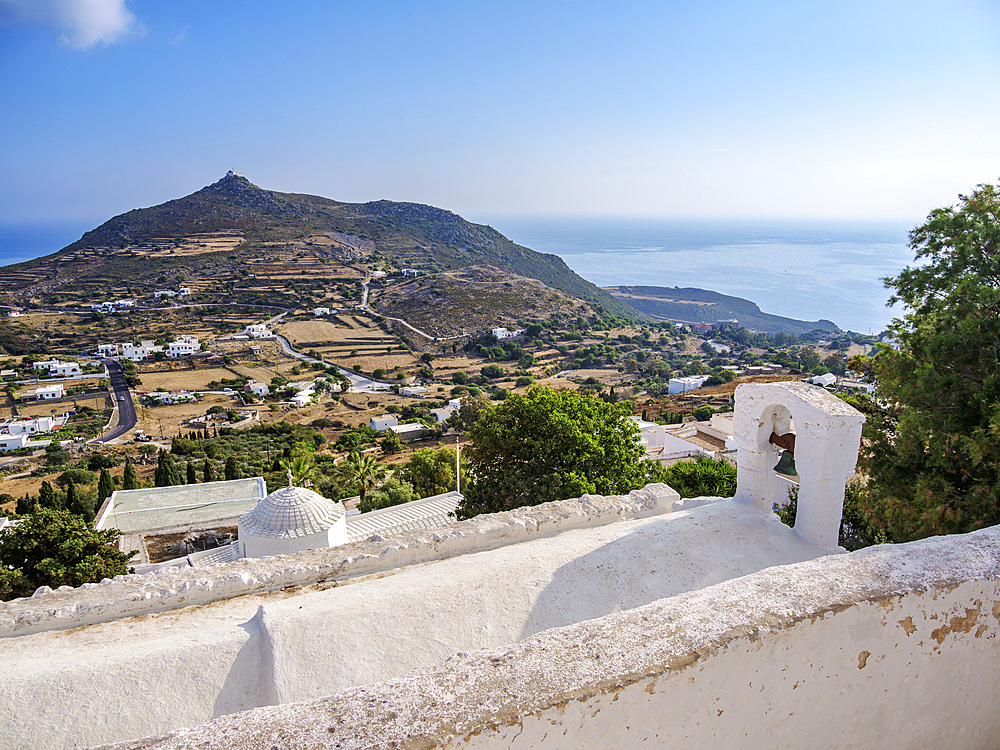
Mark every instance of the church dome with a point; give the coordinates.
(291, 512)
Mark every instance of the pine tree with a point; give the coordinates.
(192, 477)
(105, 486)
(130, 480)
(207, 472)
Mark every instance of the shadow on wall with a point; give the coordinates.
(663, 557)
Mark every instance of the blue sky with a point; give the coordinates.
(767, 109)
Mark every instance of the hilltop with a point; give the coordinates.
(233, 234)
(702, 306)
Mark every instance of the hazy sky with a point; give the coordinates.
(805, 109)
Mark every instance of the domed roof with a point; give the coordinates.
(291, 512)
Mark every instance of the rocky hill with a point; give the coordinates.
(221, 231)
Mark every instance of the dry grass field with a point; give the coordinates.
(358, 341)
(182, 380)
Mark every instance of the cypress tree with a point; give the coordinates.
(192, 478)
(232, 469)
(167, 474)
(105, 486)
(47, 497)
(207, 472)
(130, 480)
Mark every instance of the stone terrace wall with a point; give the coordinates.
(892, 646)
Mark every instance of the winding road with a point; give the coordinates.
(123, 401)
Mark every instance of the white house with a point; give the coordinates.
(31, 426)
(857, 385)
(823, 380)
(107, 350)
(183, 346)
(415, 391)
(690, 383)
(257, 331)
(166, 398)
(441, 415)
(378, 274)
(60, 369)
(384, 422)
(50, 392)
(410, 431)
(455, 403)
(14, 314)
(164, 293)
(321, 311)
(184, 291)
(410, 273)
(257, 389)
(12, 442)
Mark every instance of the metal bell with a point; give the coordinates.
(786, 464)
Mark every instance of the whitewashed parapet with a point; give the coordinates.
(129, 596)
(891, 645)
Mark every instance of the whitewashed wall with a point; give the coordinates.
(887, 647)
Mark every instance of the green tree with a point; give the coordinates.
(192, 475)
(130, 480)
(167, 474)
(232, 469)
(547, 445)
(431, 472)
(105, 486)
(360, 473)
(56, 548)
(303, 468)
(391, 443)
(856, 531)
(55, 454)
(47, 497)
(394, 491)
(207, 472)
(932, 452)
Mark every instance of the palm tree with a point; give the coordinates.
(361, 473)
(303, 470)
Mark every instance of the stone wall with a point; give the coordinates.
(893, 646)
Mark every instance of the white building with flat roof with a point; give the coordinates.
(183, 346)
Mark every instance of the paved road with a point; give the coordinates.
(359, 383)
(123, 399)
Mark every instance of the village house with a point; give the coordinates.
(321, 311)
(183, 346)
(13, 313)
(58, 369)
(414, 391)
(49, 392)
(383, 422)
(258, 331)
(410, 273)
(409, 431)
(166, 398)
(258, 389)
(442, 414)
(684, 384)
(504, 333)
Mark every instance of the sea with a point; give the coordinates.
(799, 269)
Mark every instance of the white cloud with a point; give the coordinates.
(80, 23)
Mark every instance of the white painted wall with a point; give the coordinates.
(893, 646)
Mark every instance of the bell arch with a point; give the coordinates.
(827, 437)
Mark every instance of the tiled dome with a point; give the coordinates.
(291, 512)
